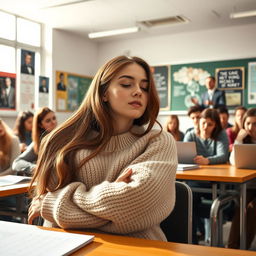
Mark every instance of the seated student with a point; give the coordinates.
(172, 126)
(23, 128)
(247, 135)
(233, 131)
(9, 149)
(44, 122)
(224, 115)
(212, 148)
(194, 112)
(105, 167)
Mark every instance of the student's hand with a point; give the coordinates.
(201, 160)
(34, 210)
(125, 176)
(241, 135)
(194, 100)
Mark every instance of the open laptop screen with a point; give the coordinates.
(245, 156)
(186, 152)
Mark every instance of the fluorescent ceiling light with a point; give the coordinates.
(113, 32)
(242, 14)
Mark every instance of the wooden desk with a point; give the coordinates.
(224, 173)
(14, 189)
(110, 245)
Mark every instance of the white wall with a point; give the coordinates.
(201, 46)
(74, 54)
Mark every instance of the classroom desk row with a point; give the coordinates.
(217, 174)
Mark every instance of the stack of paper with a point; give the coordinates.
(12, 179)
(23, 240)
(183, 167)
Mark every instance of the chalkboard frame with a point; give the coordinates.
(217, 70)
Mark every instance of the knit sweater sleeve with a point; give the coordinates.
(120, 207)
(222, 152)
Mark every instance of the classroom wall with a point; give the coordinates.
(74, 54)
(205, 45)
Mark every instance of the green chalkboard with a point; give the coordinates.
(187, 80)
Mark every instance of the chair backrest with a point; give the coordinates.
(178, 225)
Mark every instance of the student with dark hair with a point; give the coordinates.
(233, 131)
(246, 135)
(23, 128)
(212, 98)
(172, 126)
(224, 115)
(105, 168)
(194, 113)
(44, 122)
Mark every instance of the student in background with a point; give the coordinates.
(233, 131)
(212, 98)
(172, 127)
(212, 148)
(246, 135)
(23, 128)
(224, 115)
(105, 167)
(44, 122)
(194, 113)
(9, 149)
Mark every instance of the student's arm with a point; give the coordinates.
(26, 161)
(189, 136)
(121, 207)
(15, 151)
(222, 151)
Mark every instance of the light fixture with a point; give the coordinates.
(113, 32)
(242, 14)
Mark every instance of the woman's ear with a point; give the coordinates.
(105, 98)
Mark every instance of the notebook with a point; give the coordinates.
(245, 156)
(186, 152)
(184, 167)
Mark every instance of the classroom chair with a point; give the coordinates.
(177, 227)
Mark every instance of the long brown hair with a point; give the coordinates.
(37, 130)
(214, 116)
(58, 149)
(236, 127)
(5, 145)
(176, 132)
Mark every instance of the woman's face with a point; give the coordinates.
(127, 95)
(239, 117)
(206, 126)
(49, 122)
(250, 126)
(172, 125)
(28, 124)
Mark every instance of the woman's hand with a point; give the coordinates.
(34, 210)
(125, 176)
(241, 135)
(201, 160)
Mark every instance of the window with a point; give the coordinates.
(7, 63)
(7, 31)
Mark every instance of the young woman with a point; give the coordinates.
(172, 127)
(212, 140)
(23, 129)
(247, 135)
(9, 149)
(233, 131)
(212, 148)
(44, 122)
(104, 168)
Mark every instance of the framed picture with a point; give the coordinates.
(234, 98)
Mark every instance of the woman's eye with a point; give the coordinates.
(145, 89)
(125, 85)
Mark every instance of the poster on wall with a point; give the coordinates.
(27, 62)
(70, 90)
(43, 91)
(252, 83)
(7, 91)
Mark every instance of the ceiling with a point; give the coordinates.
(87, 16)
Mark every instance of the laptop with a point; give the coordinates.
(186, 152)
(245, 156)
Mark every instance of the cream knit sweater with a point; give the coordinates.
(95, 201)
